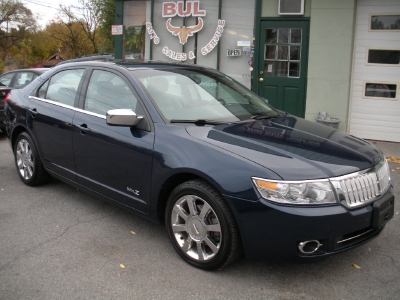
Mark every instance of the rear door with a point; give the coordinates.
(50, 116)
(111, 160)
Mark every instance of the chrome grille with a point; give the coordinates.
(362, 187)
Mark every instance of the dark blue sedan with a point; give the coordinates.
(192, 148)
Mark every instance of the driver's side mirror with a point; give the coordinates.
(123, 117)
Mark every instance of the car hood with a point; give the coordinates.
(293, 148)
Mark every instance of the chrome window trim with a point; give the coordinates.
(68, 107)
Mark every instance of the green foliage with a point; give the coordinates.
(107, 19)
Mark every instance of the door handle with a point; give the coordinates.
(33, 112)
(83, 128)
(261, 79)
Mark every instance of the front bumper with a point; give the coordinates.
(271, 231)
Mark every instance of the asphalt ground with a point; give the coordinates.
(57, 242)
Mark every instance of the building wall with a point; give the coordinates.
(330, 58)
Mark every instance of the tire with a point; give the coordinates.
(201, 226)
(29, 166)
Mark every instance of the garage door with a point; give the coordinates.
(375, 105)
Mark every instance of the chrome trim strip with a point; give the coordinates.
(68, 107)
(354, 237)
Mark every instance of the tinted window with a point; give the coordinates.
(388, 57)
(106, 91)
(63, 86)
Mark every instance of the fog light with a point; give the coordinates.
(309, 247)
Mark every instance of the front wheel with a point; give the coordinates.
(201, 226)
(27, 161)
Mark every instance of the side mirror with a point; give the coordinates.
(123, 117)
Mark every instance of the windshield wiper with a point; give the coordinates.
(262, 117)
(200, 122)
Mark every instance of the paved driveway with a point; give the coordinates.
(57, 242)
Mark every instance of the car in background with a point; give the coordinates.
(15, 80)
(191, 148)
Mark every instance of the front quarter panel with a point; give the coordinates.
(177, 152)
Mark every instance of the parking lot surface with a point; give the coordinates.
(56, 242)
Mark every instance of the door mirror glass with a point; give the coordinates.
(123, 117)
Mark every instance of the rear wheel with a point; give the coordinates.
(201, 226)
(27, 160)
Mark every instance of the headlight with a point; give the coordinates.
(296, 192)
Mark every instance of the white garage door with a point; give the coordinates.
(375, 100)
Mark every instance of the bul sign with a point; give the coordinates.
(184, 10)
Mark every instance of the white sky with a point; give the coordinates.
(46, 10)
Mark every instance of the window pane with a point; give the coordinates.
(269, 69)
(295, 37)
(43, 89)
(63, 86)
(385, 22)
(282, 69)
(283, 36)
(270, 52)
(107, 91)
(294, 52)
(294, 70)
(283, 52)
(6, 79)
(381, 90)
(384, 57)
(23, 79)
(271, 36)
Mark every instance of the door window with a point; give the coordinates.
(62, 87)
(282, 52)
(107, 91)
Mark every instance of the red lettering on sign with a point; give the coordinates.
(169, 9)
(181, 11)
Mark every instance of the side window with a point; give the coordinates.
(107, 91)
(42, 90)
(62, 87)
(6, 79)
(23, 79)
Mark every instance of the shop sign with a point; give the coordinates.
(192, 8)
(117, 29)
(233, 52)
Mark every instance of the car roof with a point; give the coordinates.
(134, 64)
(35, 70)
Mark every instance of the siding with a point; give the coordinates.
(377, 119)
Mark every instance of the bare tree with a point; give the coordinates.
(88, 16)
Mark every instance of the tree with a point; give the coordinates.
(16, 21)
(107, 20)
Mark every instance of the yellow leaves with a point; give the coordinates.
(393, 159)
(122, 266)
(356, 266)
(132, 232)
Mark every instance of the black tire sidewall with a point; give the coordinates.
(191, 188)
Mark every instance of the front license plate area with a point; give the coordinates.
(383, 212)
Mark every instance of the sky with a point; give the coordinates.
(46, 10)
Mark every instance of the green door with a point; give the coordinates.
(282, 69)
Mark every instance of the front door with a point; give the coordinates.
(282, 64)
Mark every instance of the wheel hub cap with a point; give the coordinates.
(196, 228)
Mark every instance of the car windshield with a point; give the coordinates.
(192, 95)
